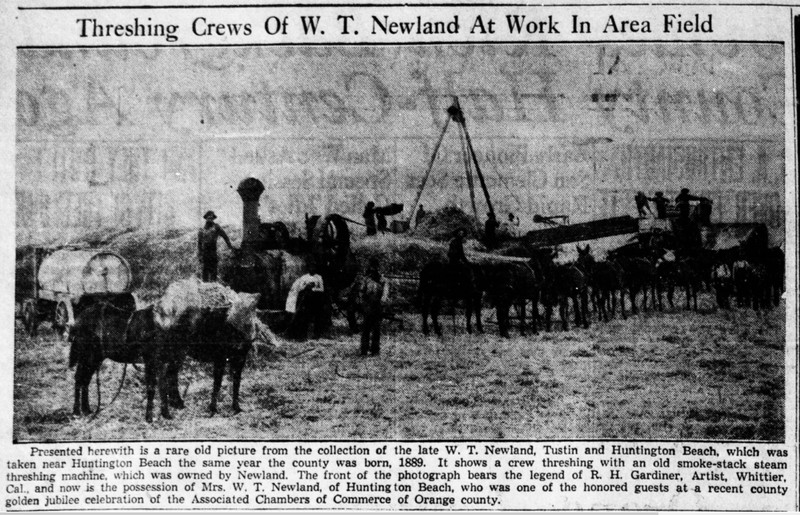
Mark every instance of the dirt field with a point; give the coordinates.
(671, 375)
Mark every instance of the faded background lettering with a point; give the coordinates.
(154, 137)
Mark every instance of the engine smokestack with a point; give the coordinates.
(250, 190)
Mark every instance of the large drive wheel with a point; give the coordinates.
(29, 320)
(330, 241)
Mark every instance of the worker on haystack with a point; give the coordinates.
(683, 202)
(420, 215)
(306, 302)
(510, 227)
(490, 231)
(383, 226)
(642, 204)
(703, 211)
(369, 218)
(373, 294)
(207, 246)
(455, 252)
(661, 203)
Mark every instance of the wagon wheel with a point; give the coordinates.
(29, 317)
(60, 318)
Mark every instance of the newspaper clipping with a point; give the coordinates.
(428, 256)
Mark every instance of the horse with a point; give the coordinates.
(775, 263)
(722, 280)
(682, 273)
(560, 283)
(508, 284)
(605, 279)
(219, 336)
(457, 282)
(751, 284)
(638, 274)
(97, 335)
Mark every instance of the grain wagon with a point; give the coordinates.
(68, 280)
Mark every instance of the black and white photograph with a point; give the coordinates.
(526, 241)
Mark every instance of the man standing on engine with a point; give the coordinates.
(207, 247)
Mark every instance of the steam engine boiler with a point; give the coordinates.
(270, 260)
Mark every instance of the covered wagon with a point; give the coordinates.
(68, 280)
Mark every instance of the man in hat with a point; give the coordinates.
(703, 211)
(207, 246)
(383, 225)
(373, 293)
(642, 204)
(369, 218)
(661, 203)
(420, 215)
(683, 202)
(490, 231)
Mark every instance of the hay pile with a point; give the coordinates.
(441, 224)
(398, 254)
(191, 294)
(159, 258)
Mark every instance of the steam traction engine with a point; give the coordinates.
(270, 260)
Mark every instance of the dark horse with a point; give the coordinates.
(98, 333)
(605, 279)
(638, 273)
(207, 335)
(457, 282)
(683, 273)
(560, 283)
(513, 283)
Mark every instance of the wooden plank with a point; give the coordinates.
(582, 231)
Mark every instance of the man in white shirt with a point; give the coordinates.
(306, 302)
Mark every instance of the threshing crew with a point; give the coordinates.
(207, 246)
(682, 202)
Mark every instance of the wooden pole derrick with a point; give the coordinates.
(457, 115)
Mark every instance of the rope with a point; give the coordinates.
(505, 184)
(119, 389)
(430, 167)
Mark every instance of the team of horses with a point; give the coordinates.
(629, 279)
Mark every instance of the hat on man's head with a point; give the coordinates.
(659, 194)
(684, 190)
(210, 215)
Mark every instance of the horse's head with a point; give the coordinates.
(142, 325)
(585, 257)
